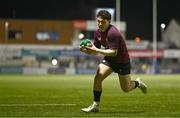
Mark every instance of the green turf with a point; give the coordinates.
(45, 95)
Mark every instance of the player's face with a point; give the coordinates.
(102, 24)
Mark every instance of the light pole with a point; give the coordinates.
(117, 10)
(154, 63)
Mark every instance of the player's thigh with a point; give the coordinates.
(125, 80)
(103, 71)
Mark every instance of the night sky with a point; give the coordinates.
(136, 13)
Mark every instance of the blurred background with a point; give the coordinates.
(42, 37)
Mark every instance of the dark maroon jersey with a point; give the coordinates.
(112, 39)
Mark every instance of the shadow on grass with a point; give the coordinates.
(122, 112)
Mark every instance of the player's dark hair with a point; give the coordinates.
(104, 15)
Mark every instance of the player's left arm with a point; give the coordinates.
(113, 43)
(106, 52)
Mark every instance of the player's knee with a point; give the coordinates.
(99, 77)
(97, 81)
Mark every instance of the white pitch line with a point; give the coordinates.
(22, 105)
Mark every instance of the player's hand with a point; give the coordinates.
(83, 49)
(91, 49)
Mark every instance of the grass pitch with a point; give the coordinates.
(65, 95)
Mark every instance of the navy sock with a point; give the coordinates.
(97, 95)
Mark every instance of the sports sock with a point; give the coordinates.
(96, 103)
(97, 95)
